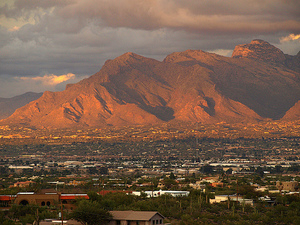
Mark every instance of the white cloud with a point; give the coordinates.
(12, 86)
(50, 79)
(291, 37)
(289, 44)
(223, 52)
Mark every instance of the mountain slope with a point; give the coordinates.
(9, 105)
(267, 88)
(293, 113)
(186, 86)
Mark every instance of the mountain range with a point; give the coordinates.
(259, 82)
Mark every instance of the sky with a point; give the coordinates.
(45, 44)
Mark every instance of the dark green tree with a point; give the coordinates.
(103, 170)
(28, 213)
(93, 196)
(4, 220)
(206, 169)
(172, 176)
(90, 213)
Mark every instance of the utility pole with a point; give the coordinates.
(228, 202)
(62, 214)
(37, 216)
(237, 190)
(191, 206)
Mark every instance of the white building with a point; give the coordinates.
(224, 198)
(161, 192)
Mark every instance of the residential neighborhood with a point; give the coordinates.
(235, 174)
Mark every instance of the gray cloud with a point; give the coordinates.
(212, 16)
(77, 36)
(199, 16)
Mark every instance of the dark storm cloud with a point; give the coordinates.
(77, 36)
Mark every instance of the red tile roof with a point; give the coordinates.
(5, 197)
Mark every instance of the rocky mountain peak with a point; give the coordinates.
(259, 42)
(260, 50)
(129, 57)
(189, 55)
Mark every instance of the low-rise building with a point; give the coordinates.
(161, 192)
(198, 185)
(136, 218)
(287, 185)
(22, 184)
(42, 199)
(216, 184)
(224, 198)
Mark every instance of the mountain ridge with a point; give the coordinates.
(187, 86)
(9, 105)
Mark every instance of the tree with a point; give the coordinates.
(260, 171)
(93, 196)
(169, 183)
(92, 170)
(90, 213)
(206, 169)
(103, 170)
(28, 213)
(172, 176)
(4, 220)
(229, 171)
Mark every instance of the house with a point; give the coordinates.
(5, 201)
(136, 218)
(42, 199)
(224, 198)
(160, 185)
(287, 186)
(210, 179)
(68, 199)
(161, 192)
(46, 197)
(76, 182)
(22, 184)
(216, 184)
(198, 185)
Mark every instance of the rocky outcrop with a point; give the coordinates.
(260, 50)
(263, 51)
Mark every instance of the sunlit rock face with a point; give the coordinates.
(260, 50)
(256, 83)
(293, 113)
